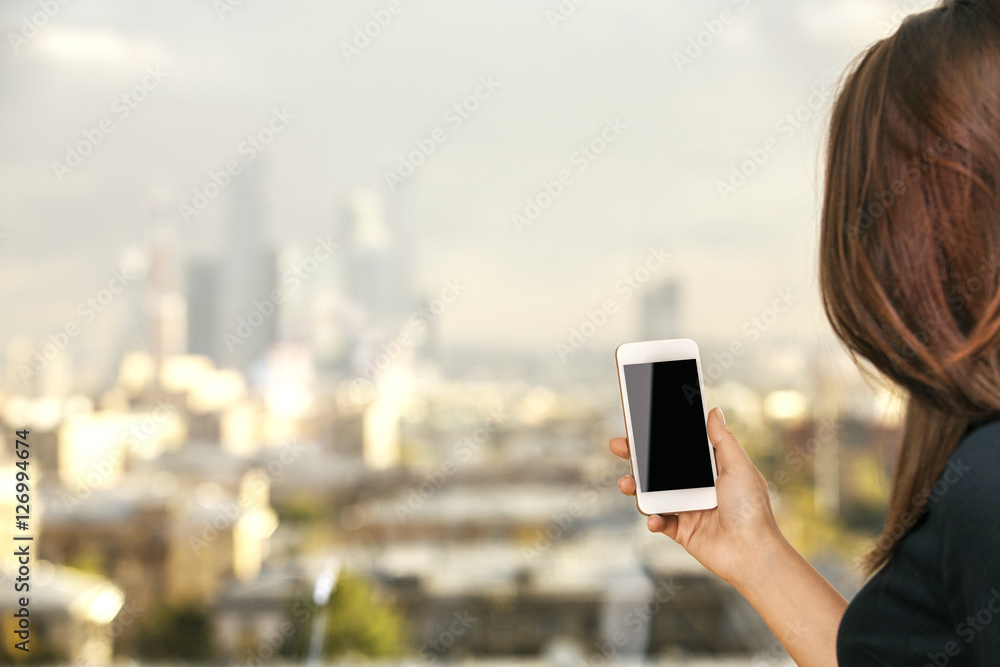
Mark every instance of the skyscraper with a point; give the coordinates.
(660, 311)
(166, 310)
(248, 320)
(201, 287)
(376, 267)
(377, 277)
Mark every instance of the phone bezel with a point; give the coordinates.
(679, 500)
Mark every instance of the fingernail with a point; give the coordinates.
(722, 415)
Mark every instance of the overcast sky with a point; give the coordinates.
(682, 128)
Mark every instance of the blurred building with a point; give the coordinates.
(661, 311)
(376, 259)
(121, 533)
(253, 619)
(72, 616)
(247, 276)
(595, 594)
(166, 308)
(176, 535)
(201, 290)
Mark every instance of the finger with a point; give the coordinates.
(627, 485)
(620, 447)
(729, 453)
(663, 523)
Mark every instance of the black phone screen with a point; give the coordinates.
(668, 425)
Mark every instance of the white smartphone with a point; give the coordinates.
(663, 398)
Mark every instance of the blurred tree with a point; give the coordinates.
(174, 632)
(359, 622)
(88, 559)
(301, 509)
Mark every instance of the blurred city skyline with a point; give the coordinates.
(311, 312)
(687, 114)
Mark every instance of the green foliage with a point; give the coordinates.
(88, 559)
(301, 509)
(174, 632)
(359, 622)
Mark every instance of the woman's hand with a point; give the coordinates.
(724, 539)
(740, 541)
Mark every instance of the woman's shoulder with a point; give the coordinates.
(968, 486)
(963, 513)
(981, 447)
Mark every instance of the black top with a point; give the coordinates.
(936, 602)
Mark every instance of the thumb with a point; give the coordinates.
(729, 453)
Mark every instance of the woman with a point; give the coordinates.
(909, 256)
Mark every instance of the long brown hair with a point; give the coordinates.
(910, 237)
